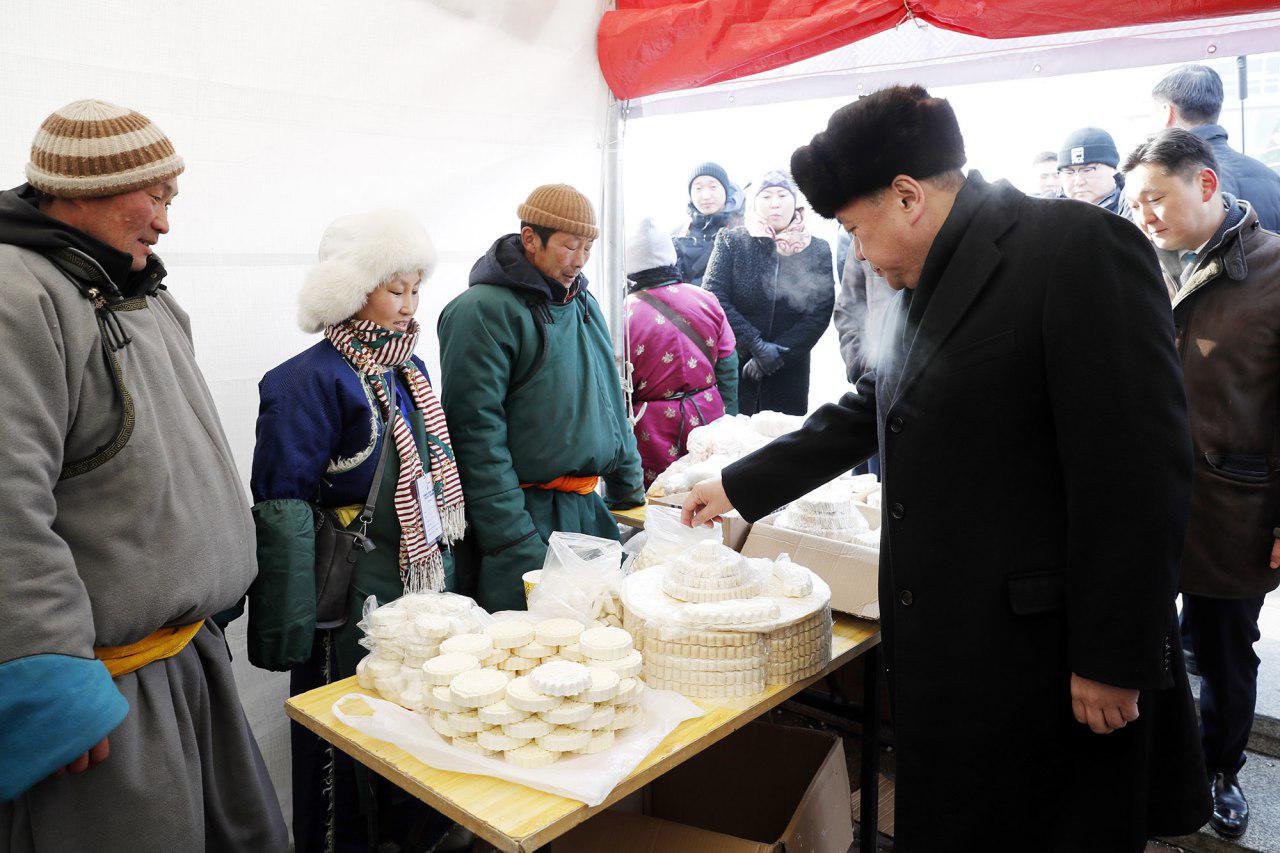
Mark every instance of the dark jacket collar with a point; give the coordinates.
(1224, 254)
(23, 224)
(977, 222)
(505, 265)
(1210, 132)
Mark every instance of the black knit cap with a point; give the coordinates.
(714, 170)
(900, 130)
(1089, 145)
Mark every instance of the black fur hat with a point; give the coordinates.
(895, 131)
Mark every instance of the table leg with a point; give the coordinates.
(869, 770)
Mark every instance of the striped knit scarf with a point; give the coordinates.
(373, 350)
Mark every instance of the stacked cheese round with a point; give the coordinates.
(404, 635)
(528, 692)
(703, 645)
(828, 512)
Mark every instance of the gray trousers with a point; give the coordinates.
(184, 772)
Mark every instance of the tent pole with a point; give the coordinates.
(614, 270)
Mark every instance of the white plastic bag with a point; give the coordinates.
(668, 537)
(581, 578)
(587, 778)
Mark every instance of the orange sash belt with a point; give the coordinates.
(577, 485)
(162, 644)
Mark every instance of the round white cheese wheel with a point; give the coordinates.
(568, 713)
(383, 669)
(440, 697)
(439, 722)
(561, 678)
(564, 739)
(441, 669)
(604, 643)
(496, 657)
(600, 741)
(600, 718)
(478, 687)
(557, 632)
(571, 652)
(468, 722)
(431, 626)
(628, 691)
(533, 727)
(499, 741)
(523, 696)
(500, 714)
(518, 665)
(604, 685)
(480, 645)
(534, 651)
(625, 716)
(628, 666)
(531, 757)
(510, 634)
(471, 745)
(363, 677)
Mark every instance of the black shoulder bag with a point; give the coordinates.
(337, 549)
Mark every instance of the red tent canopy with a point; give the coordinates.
(651, 46)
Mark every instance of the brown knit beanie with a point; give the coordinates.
(561, 207)
(90, 149)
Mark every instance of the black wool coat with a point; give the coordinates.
(782, 300)
(1037, 473)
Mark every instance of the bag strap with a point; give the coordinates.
(681, 322)
(371, 503)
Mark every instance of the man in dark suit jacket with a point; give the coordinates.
(1190, 97)
(1037, 465)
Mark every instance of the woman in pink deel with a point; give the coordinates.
(685, 368)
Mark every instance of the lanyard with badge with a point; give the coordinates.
(423, 488)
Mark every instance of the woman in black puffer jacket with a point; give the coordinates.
(775, 283)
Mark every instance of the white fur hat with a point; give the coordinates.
(647, 248)
(357, 254)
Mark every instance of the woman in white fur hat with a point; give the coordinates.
(325, 416)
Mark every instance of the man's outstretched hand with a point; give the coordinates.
(705, 503)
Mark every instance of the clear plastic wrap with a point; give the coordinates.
(581, 579)
(666, 537)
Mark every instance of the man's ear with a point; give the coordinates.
(906, 192)
(1209, 183)
(529, 239)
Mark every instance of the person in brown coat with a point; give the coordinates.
(1222, 271)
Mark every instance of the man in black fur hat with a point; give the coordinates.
(1037, 468)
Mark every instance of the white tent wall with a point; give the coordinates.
(291, 114)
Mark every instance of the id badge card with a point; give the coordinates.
(424, 491)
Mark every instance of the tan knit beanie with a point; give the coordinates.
(90, 149)
(561, 207)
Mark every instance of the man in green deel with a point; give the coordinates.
(533, 400)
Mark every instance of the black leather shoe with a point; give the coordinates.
(1230, 808)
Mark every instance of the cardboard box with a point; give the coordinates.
(852, 571)
(734, 528)
(764, 789)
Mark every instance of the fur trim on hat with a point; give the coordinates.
(900, 130)
(357, 254)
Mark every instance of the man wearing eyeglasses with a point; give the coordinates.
(1087, 170)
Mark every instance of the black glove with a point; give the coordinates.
(753, 371)
(769, 355)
